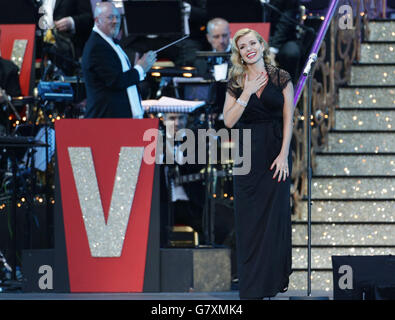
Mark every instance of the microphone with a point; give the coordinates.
(302, 12)
(310, 63)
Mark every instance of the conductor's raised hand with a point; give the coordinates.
(253, 85)
(147, 60)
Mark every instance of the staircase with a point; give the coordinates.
(353, 186)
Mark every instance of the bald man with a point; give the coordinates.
(110, 79)
(218, 36)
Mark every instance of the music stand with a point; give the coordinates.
(192, 88)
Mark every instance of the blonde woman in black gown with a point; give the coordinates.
(259, 97)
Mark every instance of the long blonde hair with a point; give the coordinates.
(238, 69)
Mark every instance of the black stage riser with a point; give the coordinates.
(363, 277)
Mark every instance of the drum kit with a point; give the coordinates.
(27, 140)
(27, 147)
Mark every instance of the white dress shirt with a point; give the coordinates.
(221, 70)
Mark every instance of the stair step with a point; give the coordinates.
(320, 280)
(365, 120)
(381, 31)
(321, 258)
(352, 188)
(377, 53)
(361, 97)
(355, 165)
(373, 74)
(348, 211)
(345, 234)
(360, 142)
(345, 209)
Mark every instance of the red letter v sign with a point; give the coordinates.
(106, 239)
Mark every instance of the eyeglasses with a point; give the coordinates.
(219, 36)
(112, 16)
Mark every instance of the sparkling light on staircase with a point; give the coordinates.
(350, 210)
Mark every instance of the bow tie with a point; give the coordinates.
(217, 60)
(116, 41)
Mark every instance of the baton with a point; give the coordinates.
(170, 44)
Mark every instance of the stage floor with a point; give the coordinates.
(229, 295)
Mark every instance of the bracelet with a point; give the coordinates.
(241, 102)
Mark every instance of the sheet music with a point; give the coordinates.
(167, 104)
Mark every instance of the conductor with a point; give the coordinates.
(110, 79)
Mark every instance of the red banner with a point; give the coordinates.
(10, 33)
(98, 160)
(263, 28)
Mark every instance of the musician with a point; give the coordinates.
(218, 36)
(9, 78)
(110, 80)
(284, 46)
(9, 84)
(185, 200)
(73, 18)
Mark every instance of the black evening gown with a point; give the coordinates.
(262, 204)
